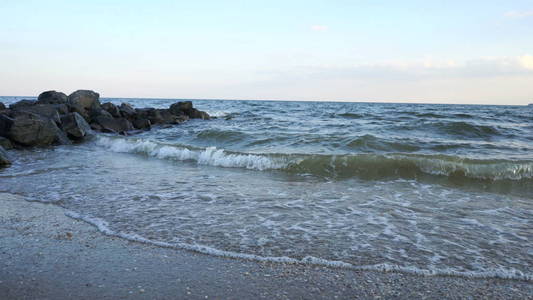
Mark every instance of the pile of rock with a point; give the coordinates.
(55, 118)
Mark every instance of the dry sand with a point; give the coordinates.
(46, 255)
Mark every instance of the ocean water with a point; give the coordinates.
(429, 189)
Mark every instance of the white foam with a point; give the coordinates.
(500, 272)
(217, 113)
(209, 156)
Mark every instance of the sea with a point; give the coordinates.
(432, 189)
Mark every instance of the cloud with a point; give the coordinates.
(526, 61)
(488, 67)
(319, 28)
(519, 14)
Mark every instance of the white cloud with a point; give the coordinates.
(526, 61)
(519, 14)
(423, 69)
(319, 28)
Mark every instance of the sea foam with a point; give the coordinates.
(500, 272)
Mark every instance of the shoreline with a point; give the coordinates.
(46, 255)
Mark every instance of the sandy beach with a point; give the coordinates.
(47, 255)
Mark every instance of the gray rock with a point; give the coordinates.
(4, 161)
(4, 142)
(127, 111)
(52, 97)
(144, 124)
(96, 126)
(181, 107)
(61, 108)
(112, 109)
(144, 113)
(83, 101)
(164, 116)
(50, 111)
(198, 114)
(119, 125)
(29, 129)
(2, 106)
(5, 124)
(97, 112)
(22, 103)
(75, 126)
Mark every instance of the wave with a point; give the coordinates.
(208, 156)
(103, 227)
(366, 166)
(223, 136)
(370, 142)
(465, 129)
(218, 113)
(351, 115)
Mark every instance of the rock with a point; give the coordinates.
(198, 114)
(52, 97)
(186, 108)
(164, 116)
(2, 106)
(144, 124)
(29, 129)
(143, 113)
(4, 161)
(83, 101)
(96, 127)
(112, 109)
(22, 103)
(127, 111)
(75, 126)
(96, 112)
(178, 107)
(61, 108)
(50, 111)
(109, 124)
(5, 124)
(4, 142)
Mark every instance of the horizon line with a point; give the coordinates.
(298, 100)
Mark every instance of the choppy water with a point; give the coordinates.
(433, 189)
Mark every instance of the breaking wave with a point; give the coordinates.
(366, 166)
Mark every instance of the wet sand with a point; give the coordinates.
(47, 255)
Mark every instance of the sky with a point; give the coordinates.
(384, 51)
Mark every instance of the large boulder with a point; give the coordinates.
(83, 101)
(5, 124)
(97, 112)
(143, 124)
(22, 103)
(29, 129)
(180, 108)
(112, 109)
(52, 97)
(127, 111)
(50, 111)
(75, 126)
(198, 114)
(4, 142)
(142, 118)
(164, 116)
(2, 106)
(4, 161)
(110, 124)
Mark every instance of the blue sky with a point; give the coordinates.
(409, 51)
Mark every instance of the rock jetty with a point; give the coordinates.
(57, 119)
